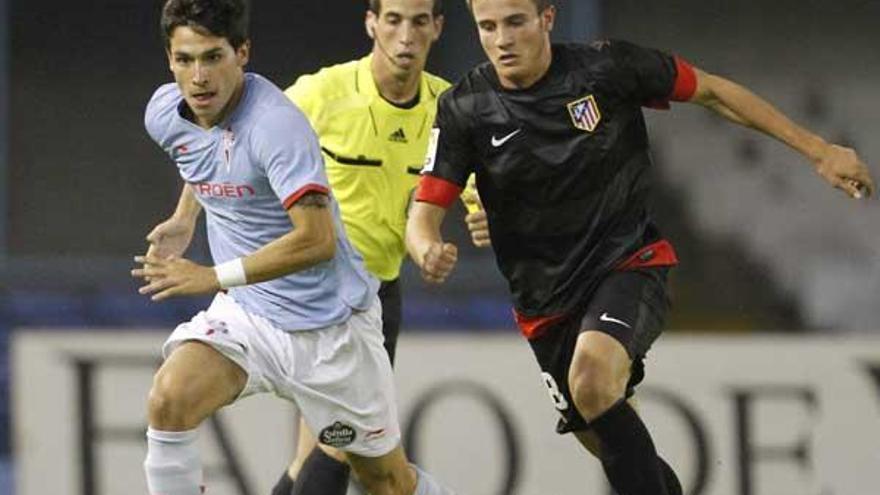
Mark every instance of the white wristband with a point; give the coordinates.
(231, 273)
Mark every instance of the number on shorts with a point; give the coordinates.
(553, 389)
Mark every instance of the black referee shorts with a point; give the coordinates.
(629, 306)
(389, 296)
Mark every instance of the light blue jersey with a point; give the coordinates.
(246, 172)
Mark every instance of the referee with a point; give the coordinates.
(373, 117)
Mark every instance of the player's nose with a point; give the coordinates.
(504, 37)
(200, 74)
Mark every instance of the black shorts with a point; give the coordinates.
(389, 296)
(629, 306)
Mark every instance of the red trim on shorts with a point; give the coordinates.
(660, 253)
(533, 327)
(685, 82)
(684, 88)
(293, 198)
(437, 191)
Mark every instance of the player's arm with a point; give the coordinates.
(173, 236)
(838, 165)
(444, 177)
(312, 241)
(425, 244)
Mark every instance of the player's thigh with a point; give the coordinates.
(199, 377)
(631, 308)
(622, 320)
(344, 385)
(305, 442)
(220, 355)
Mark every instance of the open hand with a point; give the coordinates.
(170, 238)
(174, 276)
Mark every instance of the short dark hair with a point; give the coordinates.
(224, 18)
(539, 4)
(375, 6)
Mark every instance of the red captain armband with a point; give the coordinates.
(438, 192)
(684, 88)
(660, 253)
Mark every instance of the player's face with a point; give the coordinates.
(516, 38)
(403, 33)
(209, 71)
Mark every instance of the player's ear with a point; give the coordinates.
(548, 16)
(438, 27)
(243, 53)
(370, 24)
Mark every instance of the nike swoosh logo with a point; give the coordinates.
(500, 142)
(605, 317)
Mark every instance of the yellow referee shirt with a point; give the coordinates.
(374, 152)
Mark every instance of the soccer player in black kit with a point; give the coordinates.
(557, 140)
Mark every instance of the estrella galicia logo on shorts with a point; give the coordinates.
(337, 435)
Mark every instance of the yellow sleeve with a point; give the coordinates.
(305, 95)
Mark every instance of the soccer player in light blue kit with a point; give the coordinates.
(295, 313)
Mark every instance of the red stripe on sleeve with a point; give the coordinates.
(293, 198)
(685, 82)
(437, 191)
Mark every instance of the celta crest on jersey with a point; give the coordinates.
(585, 114)
(228, 143)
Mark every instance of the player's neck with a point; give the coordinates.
(395, 85)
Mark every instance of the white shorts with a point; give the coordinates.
(339, 376)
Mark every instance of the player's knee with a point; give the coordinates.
(384, 480)
(595, 384)
(169, 406)
(378, 481)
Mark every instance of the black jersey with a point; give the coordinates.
(560, 166)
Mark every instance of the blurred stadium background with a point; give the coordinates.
(766, 247)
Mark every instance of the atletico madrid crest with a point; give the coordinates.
(585, 113)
